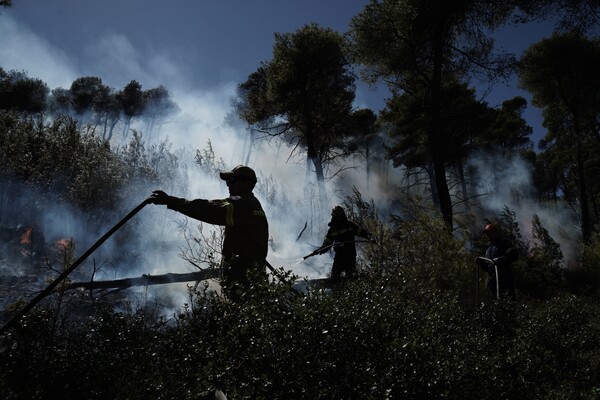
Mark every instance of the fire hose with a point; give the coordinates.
(280, 277)
(322, 250)
(492, 262)
(99, 242)
(66, 272)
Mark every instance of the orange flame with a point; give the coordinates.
(26, 237)
(63, 244)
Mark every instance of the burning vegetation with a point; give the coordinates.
(414, 323)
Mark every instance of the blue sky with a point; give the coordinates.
(198, 45)
(208, 41)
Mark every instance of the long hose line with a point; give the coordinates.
(329, 246)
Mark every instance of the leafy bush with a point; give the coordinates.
(61, 159)
(402, 331)
(585, 278)
(540, 273)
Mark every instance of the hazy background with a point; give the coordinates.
(200, 51)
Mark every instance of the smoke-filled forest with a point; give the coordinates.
(142, 315)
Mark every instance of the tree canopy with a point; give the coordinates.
(303, 94)
(414, 46)
(561, 72)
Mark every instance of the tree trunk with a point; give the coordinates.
(313, 155)
(437, 152)
(126, 129)
(105, 127)
(113, 123)
(323, 202)
(250, 140)
(146, 280)
(435, 198)
(463, 185)
(368, 166)
(586, 230)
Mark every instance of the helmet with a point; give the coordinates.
(489, 228)
(338, 212)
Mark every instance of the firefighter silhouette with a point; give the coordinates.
(341, 237)
(497, 262)
(246, 236)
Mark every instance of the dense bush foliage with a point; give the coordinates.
(417, 324)
(408, 328)
(58, 158)
(409, 341)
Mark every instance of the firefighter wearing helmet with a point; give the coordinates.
(499, 257)
(340, 237)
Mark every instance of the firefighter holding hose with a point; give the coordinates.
(497, 262)
(340, 237)
(246, 233)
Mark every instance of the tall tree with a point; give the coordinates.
(363, 136)
(132, 103)
(508, 132)
(561, 72)
(465, 118)
(108, 111)
(413, 44)
(470, 125)
(85, 92)
(158, 105)
(59, 102)
(21, 93)
(304, 94)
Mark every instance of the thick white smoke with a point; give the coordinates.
(289, 198)
(508, 182)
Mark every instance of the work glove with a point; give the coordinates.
(159, 197)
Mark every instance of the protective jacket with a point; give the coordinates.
(504, 255)
(340, 236)
(246, 233)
